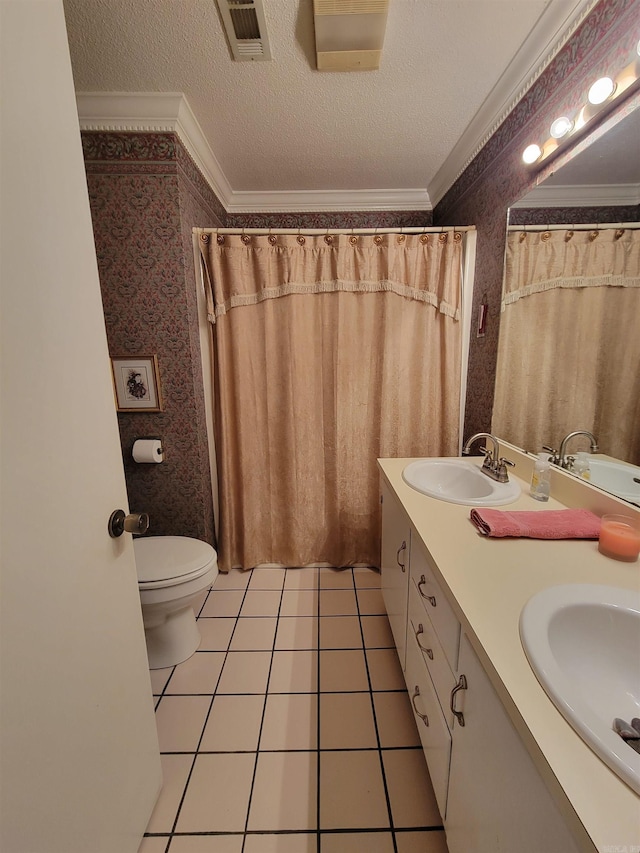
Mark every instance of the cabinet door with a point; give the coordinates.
(498, 802)
(430, 722)
(394, 566)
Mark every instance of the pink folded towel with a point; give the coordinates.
(546, 524)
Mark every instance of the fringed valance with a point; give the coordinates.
(245, 270)
(536, 262)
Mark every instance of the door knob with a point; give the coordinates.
(135, 522)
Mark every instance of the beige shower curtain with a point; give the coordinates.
(569, 348)
(330, 351)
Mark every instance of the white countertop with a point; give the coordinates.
(488, 582)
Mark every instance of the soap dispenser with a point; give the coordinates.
(541, 478)
(581, 467)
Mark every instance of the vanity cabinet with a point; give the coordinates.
(394, 567)
(490, 794)
(497, 800)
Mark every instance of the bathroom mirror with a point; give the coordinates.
(534, 405)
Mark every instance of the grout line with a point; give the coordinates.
(318, 756)
(264, 710)
(204, 726)
(375, 723)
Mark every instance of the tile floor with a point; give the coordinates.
(290, 729)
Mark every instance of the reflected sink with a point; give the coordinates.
(583, 644)
(458, 481)
(616, 478)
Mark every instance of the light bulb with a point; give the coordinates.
(531, 153)
(560, 127)
(601, 90)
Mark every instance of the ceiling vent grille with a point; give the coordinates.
(246, 29)
(349, 33)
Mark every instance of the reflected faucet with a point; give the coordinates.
(494, 465)
(561, 459)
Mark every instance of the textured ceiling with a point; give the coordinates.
(282, 125)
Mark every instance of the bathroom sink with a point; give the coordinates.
(583, 644)
(458, 481)
(616, 478)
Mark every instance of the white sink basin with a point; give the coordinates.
(458, 481)
(583, 644)
(616, 477)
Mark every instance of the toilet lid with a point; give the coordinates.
(161, 558)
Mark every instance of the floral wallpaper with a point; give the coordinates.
(146, 195)
(573, 215)
(497, 176)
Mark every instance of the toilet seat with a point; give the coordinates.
(165, 561)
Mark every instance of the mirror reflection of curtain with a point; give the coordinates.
(330, 351)
(569, 347)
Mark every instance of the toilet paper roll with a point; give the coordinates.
(148, 450)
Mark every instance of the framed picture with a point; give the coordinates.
(136, 381)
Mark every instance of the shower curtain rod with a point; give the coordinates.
(601, 226)
(314, 231)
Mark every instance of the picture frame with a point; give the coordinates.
(136, 383)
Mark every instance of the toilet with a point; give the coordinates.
(172, 571)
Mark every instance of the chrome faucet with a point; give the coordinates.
(563, 461)
(494, 465)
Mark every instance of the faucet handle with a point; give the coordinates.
(504, 461)
(554, 458)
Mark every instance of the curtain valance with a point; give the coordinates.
(537, 261)
(246, 269)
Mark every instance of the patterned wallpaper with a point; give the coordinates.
(146, 195)
(573, 215)
(497, 176)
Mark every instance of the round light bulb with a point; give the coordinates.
(601, 90)
(560, 127)
(531, 153)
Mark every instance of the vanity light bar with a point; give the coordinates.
(601, 91)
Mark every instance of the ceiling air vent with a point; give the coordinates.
(246, 29)
(349, 33)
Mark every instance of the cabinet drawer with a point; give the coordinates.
(433, 730)
(435, 604)
(423, 632)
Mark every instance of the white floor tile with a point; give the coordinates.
(233, 724)
(245, 672)
(356, 842)
(284, 791)
(198, 674)
(294, 672)
(413, 802)
(290, 722)
(180, 721)
(206, 844)
(295, 842)
(351, 791)
(218, 793)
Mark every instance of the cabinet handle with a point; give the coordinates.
(430, 598)
(421, 631)
(423, 717)
(461, 685)
(403, 547)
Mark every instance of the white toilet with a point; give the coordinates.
(172, 570)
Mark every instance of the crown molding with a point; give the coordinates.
(554, 28)
(594, 195)
(160, 112)
(317, 201)
(154, 112)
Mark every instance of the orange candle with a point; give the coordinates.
(620, 537)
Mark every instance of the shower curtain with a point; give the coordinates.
(330, 351)
(569, 347)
